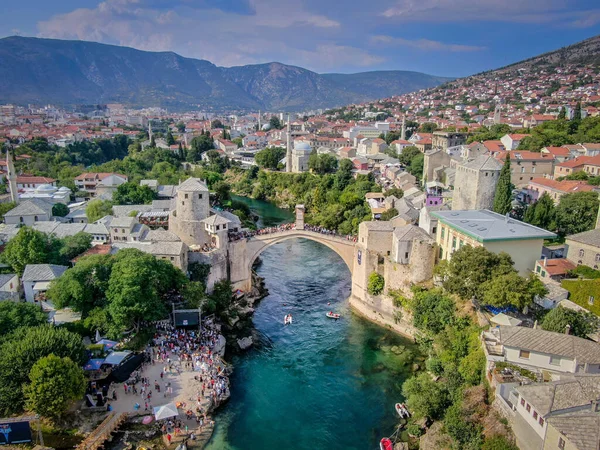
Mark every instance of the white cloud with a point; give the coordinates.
(425, 44)
(560, 12)
(275, 30)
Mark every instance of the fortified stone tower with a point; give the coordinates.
(475, 183)
(192, 207)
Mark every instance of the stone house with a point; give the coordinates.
(9, 286)
(512, 141)
(37, 277)
(433, 161)
(556, 189)
(525, 166)
(561, 414)
(29, 212)
(584, 248)
(446, 139)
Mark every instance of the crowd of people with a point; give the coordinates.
(287, 227)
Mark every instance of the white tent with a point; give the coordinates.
(165, 411)
(503, 319)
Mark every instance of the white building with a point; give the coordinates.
(37, 277)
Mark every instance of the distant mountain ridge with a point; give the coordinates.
(42, 71)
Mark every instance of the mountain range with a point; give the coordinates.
(61, 72)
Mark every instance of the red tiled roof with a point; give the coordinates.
(577, 162)
(565, 186)
(557, 151)
(558, 266)
(29, 179)
(102, 249)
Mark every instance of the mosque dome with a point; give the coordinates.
(46, 188)
(266, 127)
(64, 189)
(302, 147)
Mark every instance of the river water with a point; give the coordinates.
(318, 383)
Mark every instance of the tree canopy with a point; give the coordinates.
(19, 352)
(60, 210)
(96, 209)
(14, 315)
(504, 188)
(581, 323)
(576, 212)
(55, 384)
(268, 158)
(133, 194)
(322, 164)
(542, 213)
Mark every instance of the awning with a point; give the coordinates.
(116, 358)
(93, 364)
(503, 319)
(41, 286)
(165, 411)
(107, 343)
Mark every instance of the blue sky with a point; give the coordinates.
(441, 37)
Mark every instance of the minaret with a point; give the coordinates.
(403, 135)
(288, 154)
(497, 114)
(259, 120)
(150, 130)
(11, 176)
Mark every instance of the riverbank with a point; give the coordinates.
(382, 318)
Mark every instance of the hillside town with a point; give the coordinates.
(467, 216)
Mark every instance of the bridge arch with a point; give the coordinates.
(343, 248)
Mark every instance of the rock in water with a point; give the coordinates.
(245, 343)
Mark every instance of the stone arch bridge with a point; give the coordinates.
(243, 253)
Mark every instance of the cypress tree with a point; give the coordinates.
(181, 154)
(503, 196)
(577, 112)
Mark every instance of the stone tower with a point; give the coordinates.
(11, 176)
(475, 183)
(403, 135)
(288, 153)
(193, 206)
(497, 111)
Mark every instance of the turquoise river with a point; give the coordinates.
(318, 383)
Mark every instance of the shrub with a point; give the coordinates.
(376, 284)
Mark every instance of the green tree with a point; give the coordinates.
(170, 138)
(60, 210)
(322, 164)
(217, 124)
(29, 246)
(238, 141)
(389, 214)
(96, 209)
(221, 299)
(498, 442)
(504, 188)
(542, 213)
(577, 113)
(512, 290)
(470, 267)
(396, 192)
(14, 315)
(22, 349)
(199, 145)
(428, 127)
(433, 311)
(425, 397)
(275, 123)
(180, 127)
(133, 194)
(376, 284)
(6, 207)
(343, 176)
(194, 294)
(269, 157)
(72, 246)
(562, 115)
(222, 192)
(55, 384)
(136, 287)
(576, 212)
(582, 323)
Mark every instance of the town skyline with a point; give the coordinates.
(426, 37)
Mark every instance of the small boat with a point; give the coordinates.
(288, 319)
(402, 410)
(386, 444)
(332, 315)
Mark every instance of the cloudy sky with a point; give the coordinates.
(441, 37)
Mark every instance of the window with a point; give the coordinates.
(591, 300)
(21, 219)
(523, 354)
(597, 257)
(528, 407)
(200, 196)
(443, 231)
(522, 402)
(218, 227)
(182, 203)
(453, 241)
(522, 169)
(35, 218)
(537, 269)
(123, 230)
(185, 196)
(433, 230)
(561, 443)
(543, 273)
(441, 253)
(535, 415)
(11, 285)
(406, 255)
(172, 258)
(581, 253)
(541, 421)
